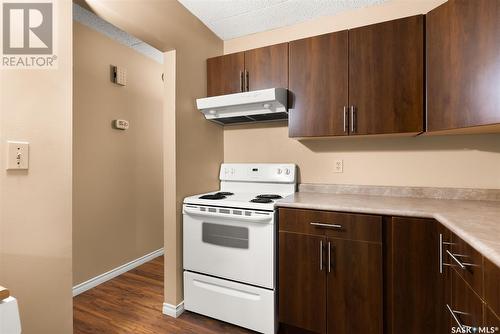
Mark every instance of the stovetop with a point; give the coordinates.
(249, 186)
(256, 201)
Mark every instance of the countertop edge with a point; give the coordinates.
(479, 246)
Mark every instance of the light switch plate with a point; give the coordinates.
(17, 155)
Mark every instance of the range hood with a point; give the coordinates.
(256, 106)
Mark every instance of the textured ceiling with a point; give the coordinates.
(234, 18)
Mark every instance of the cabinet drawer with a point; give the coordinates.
(468, 263)
(492, 286)
(331, 224)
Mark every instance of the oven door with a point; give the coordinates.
(235, 244)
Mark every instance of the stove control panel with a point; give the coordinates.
(275, 173)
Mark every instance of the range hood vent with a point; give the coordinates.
(257, 106)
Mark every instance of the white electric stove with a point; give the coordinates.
(229, 245)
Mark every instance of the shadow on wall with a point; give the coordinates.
(476, 142)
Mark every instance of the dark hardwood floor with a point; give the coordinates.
(132, 303)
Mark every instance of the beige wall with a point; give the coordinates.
(193, 154)
(117, 175)
(35, 206)
(449, 161)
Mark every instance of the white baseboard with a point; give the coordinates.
(172, 310)
(93, 282)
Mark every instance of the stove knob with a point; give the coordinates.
(287, 171)
(279, 171)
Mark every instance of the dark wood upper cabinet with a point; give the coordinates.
(386, 77)
(302, 281)
(225, 74)
(354, 287)
(267, 67)
(255, 69)
(318, 84)
(463, 64)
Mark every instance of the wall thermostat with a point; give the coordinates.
(120, 124)
(119, 75)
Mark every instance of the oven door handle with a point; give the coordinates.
(256, 219)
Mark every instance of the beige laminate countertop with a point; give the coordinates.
(476, 222)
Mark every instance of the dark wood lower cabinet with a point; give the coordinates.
(330, 276)
(302, 282)
(492, 286)
(466, 306)
(354, 287)
(491, 320)
(348, 273)
(414, 300)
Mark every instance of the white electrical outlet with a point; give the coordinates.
(338, 166)
(120, 124)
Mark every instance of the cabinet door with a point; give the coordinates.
(463, 64)
(466, 308)
(446, 272)
(267, 67)
(386, 71)
(491, 285)
(318, 84)
(302, 281)
(225, 74)
(491, 320)
(414, 285)
(354, 287)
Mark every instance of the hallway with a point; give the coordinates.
(132, 303)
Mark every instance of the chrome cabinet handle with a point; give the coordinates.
(462, 265)
(346, 116)
(247, 81)
(329, 257)
(241, 82)
(454, 316)
(353, 119)
(321, 255)
(336, 226)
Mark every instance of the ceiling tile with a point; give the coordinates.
(234, 18)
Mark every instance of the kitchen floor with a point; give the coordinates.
(132, 303)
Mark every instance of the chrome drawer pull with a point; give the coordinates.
(338, 226)
(454, 316)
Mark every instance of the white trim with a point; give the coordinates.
(172, 310)
(93, 282)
